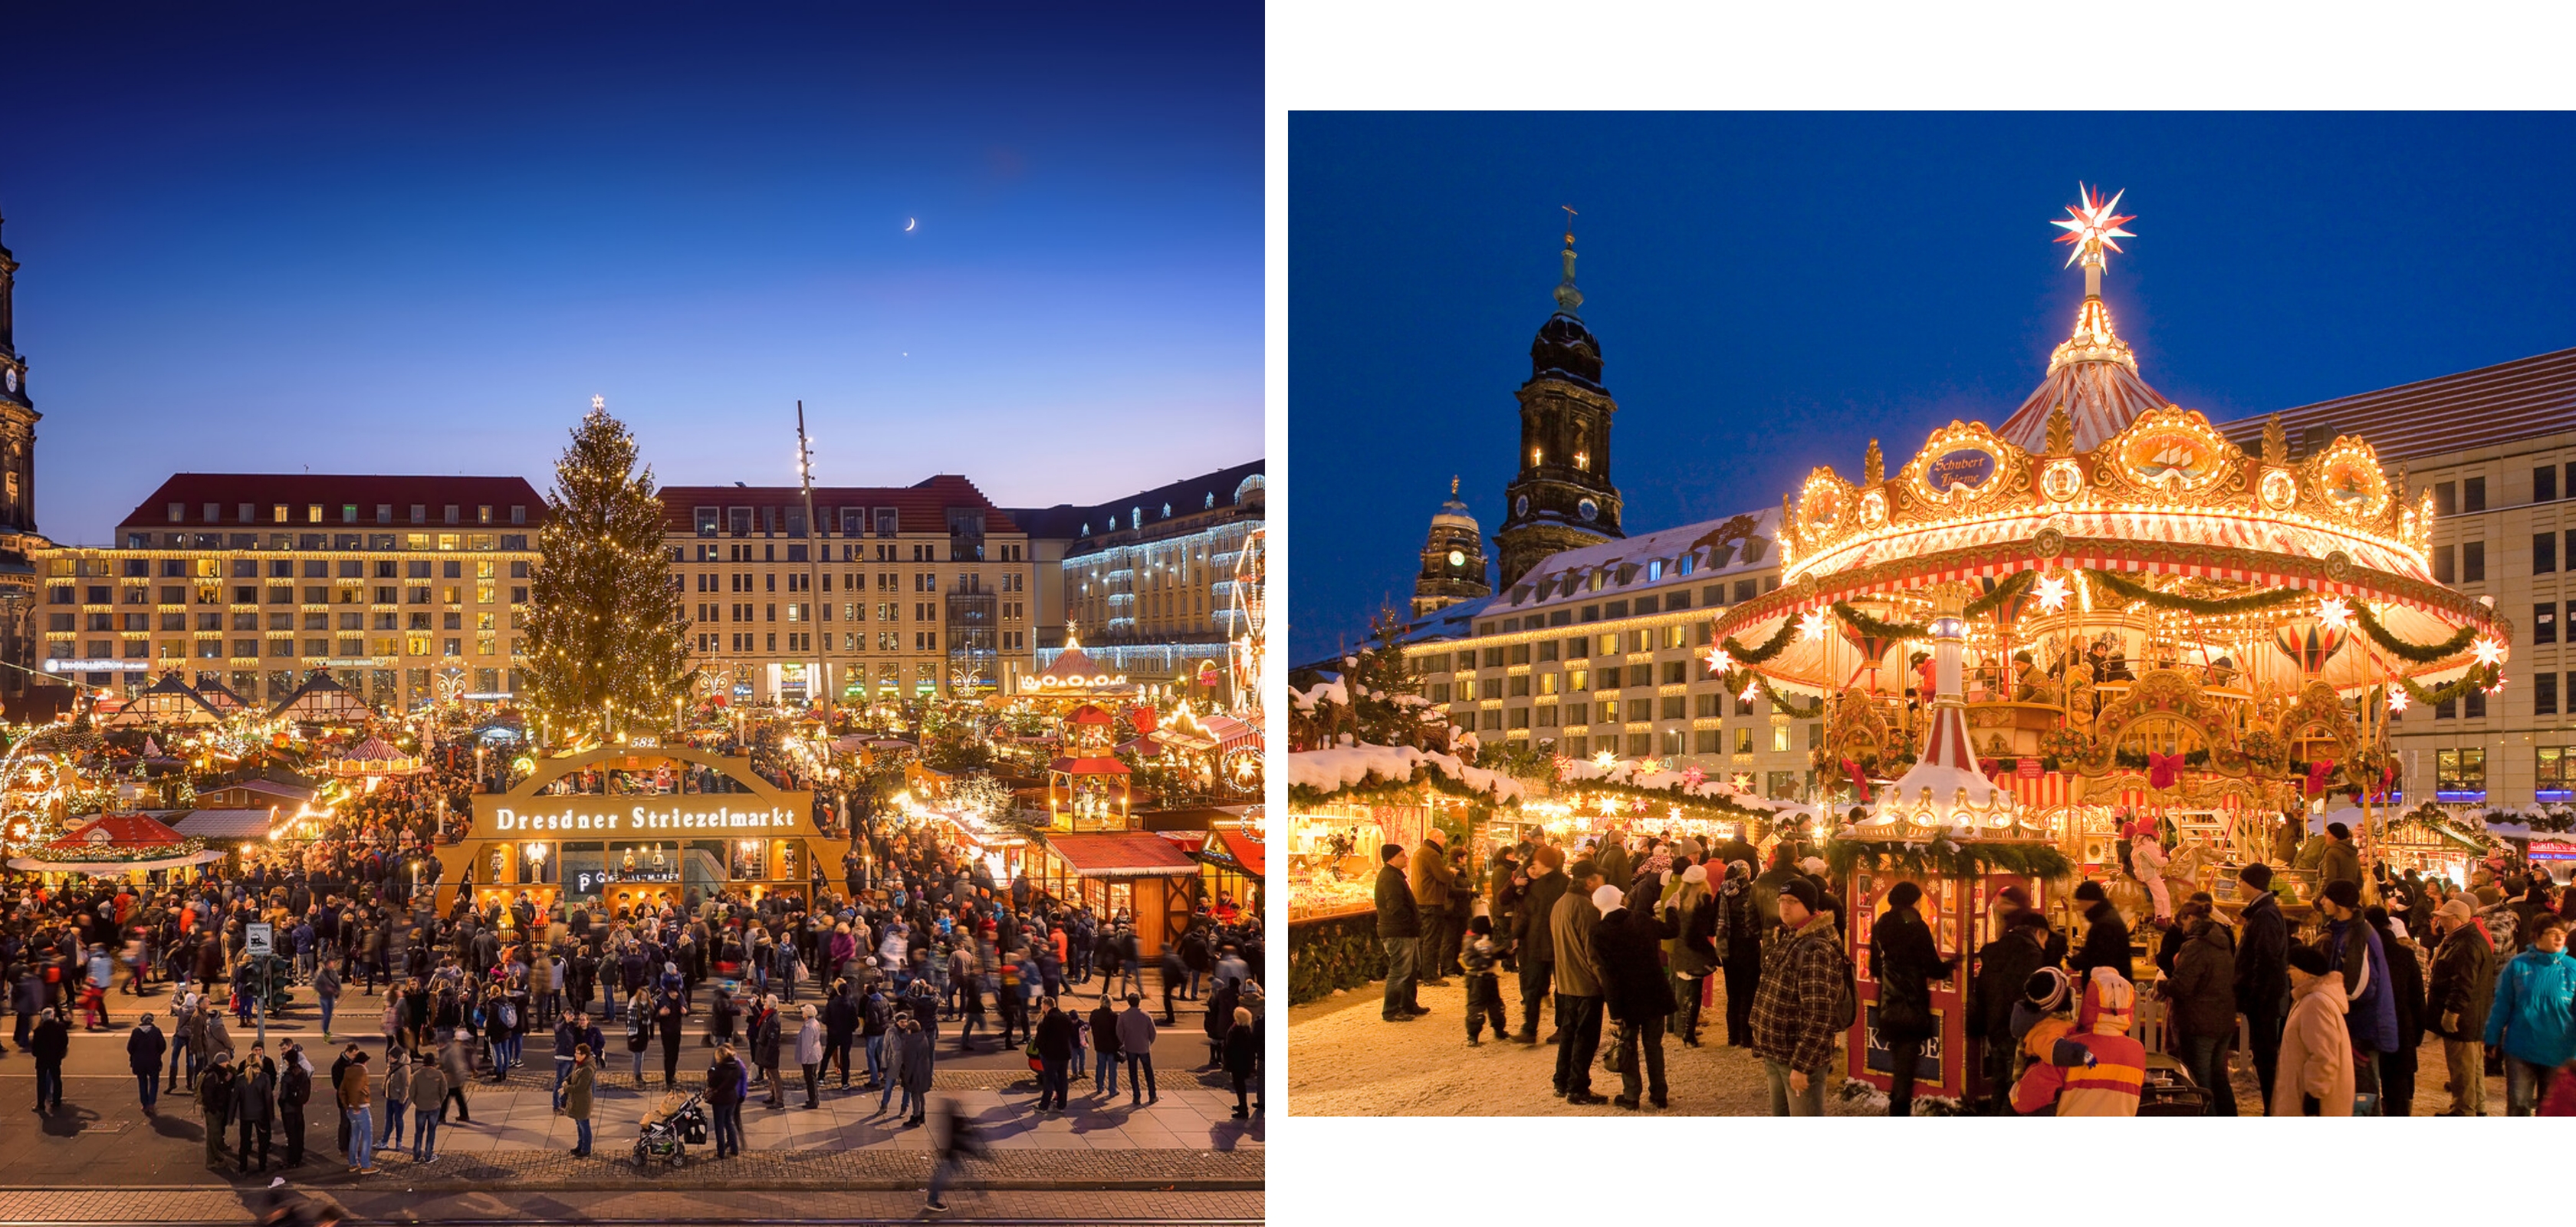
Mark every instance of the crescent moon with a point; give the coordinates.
(909, 223)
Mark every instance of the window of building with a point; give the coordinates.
(2444, 568)
(2473, 705)
(2544, 623)
(2555, 776)
(2460, 775)
(2544, 484)
(2473, 562)
(2544, 553)
(2446, 498)
(2473, 494)
(1609, 711)
(1744, 739)
(2544, 694)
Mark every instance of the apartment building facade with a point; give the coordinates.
(911, 591)
(1147, 581)
(407, 589)
(1601, 649)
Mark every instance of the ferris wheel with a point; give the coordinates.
(1249, 615)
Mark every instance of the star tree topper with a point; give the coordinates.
(2093, 226)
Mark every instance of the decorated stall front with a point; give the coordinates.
(116, 846)
(1138, 874)
(638, 826)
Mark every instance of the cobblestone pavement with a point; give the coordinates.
(1344, 1060)
(185, 1207)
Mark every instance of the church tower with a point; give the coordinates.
(17, 416)
(18, 537)
(1562, 498)
(1453, 559)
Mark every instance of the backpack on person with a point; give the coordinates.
(1847, 1001)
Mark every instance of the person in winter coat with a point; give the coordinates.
(1634, 992)
(1242, 1053)
(576, 1098)
(919, 1059)
(1905, 960)
(2262, 973)
(2456, 999)
(458, 1069)
(2203, 992)
(2406, 991)
(1056, 1040)
(428, 1101)
(215, 1103)
(727, 1084)
(1533, 944)
(809, 1055)
(843, 1016)
(2337, 859)
(2092, 1068)
(294, 1095)
(357, 1103)
(1578, 983)
(2529, 1020)
(1690, 913)
(1399, 930)
(2106, 936)
(255, 1105)
(2004, 969)
(1737, 936)
(1104, 1050)
(1793, 1012)
(2316, 1075)
(2353, 949)
(144, 1047)
(51, 1043)
(767, 1042)
(1136, 1044)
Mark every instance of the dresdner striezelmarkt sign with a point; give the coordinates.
(757, 809)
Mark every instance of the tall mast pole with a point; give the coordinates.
(813, 564)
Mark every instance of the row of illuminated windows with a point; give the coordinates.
(852, 611)
(853, 581)
(1580, 715)
(284, 513)
(803, 641)
(485, 593)
(1580, 647)
(337, 542)
(281, 648)
(1575, 681)
(203, 569)
(312, 620)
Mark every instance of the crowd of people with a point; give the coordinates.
(2335, 974)
(920, 951)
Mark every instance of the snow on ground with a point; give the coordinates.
(1343, 1060)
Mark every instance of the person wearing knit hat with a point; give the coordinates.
(2262, 971)
(1636, 993)
(2106, 935)
(2092, 1069)
(2354, 949)
(2316, 1074)
(1399, 930)
(1578, 984)
(1797, 1007)
(2005, 967)
(2458, 991)
(1608, 899)
(1533, 949)
(1905, 960)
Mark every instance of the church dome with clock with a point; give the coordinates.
(1453, 559)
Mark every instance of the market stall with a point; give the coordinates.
(1138, 874)
(116, 845)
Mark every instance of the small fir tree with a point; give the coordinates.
(608, 640)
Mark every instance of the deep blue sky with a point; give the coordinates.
(416, 237)
(1773, 290)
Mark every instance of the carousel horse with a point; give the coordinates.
(2184, 871)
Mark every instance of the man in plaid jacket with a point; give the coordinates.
(1793, 1010)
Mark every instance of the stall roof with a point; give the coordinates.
(225, 824)
(1119, 854)
(1244, 848)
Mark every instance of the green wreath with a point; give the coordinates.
(2420, 653)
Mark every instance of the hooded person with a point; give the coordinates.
(2092, 1068)
(1634, 991)
(2315, 1077)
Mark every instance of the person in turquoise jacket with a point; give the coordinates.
(2531, 1021)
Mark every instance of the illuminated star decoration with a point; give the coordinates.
(1694, 777)
(2488, 651)
(2052, 593)
(1604, 759)
(1751, 689)
(2397, 701)
(2093, 226)
(2498, 688)
(2333, 613)
(1811, 624)
(1720, 660)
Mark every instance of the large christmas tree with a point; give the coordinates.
(610, 651)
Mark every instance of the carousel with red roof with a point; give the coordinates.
(2102, 622)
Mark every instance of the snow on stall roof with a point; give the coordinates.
(1636, 773)
(1350, 766)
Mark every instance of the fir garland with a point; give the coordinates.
(2420, 653)
(2208, 608)
(2478, 678)
(1876, 629)
(2005, 591)
(1947, 857)
(1778, 643)
(1379, 786)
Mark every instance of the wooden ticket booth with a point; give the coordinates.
(624, 827)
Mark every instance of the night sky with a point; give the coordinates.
(409, 237)
(1771, 291)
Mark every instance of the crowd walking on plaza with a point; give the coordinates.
(2332, 975)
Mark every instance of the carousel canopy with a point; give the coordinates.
(116, 843)
(374, 756)
(321, 700)
(1073, 672)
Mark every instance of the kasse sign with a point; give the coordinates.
(645, 818)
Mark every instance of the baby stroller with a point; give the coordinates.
(674, 1125)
